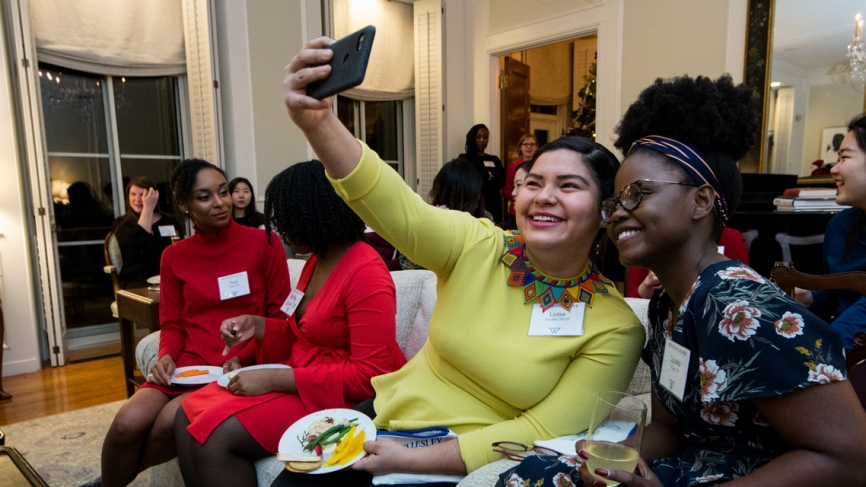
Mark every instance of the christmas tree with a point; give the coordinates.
(583, 119)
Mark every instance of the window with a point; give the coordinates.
(101, 132)
(379, 124)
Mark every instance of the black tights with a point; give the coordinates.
(226, 458)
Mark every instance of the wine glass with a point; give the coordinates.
(615, 433)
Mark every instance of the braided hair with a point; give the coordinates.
(715, 116)
(183, 179)
(304, 209)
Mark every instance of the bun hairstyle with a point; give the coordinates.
(183, 179)
(717, 117)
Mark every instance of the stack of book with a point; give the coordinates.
(808, 199)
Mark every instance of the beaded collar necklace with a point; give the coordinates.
(546, 289)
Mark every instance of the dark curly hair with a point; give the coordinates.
(459, 187)
(602, 163)
(183, 179)
(304, 209)
(717, 117)
(471, 146)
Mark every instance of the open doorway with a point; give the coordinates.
(548, 91)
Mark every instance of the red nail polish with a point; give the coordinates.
(583, 454)
(602, 472)
(599, 483)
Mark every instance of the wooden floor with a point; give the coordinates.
(55, 390)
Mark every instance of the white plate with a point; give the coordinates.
(289, 443)
(213, 374)
(224, 379)
(153, 280)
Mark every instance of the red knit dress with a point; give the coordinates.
(345, 337)
(191, 312)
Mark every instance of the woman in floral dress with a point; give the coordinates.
(745, 410)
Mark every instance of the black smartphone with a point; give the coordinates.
(348, 65)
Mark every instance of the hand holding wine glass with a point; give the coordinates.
(615, 434)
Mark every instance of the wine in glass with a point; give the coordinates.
(615, 433)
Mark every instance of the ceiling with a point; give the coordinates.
(814, 34)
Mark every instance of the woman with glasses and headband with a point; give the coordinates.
(526, 147)
(760, 392)
(497, 364)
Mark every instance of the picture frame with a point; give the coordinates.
(831, 140)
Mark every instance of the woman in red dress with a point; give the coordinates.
(192, 305)
(339, 336)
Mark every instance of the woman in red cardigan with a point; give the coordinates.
(339, 336)
(194, 300)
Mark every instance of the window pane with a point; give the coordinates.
(73, 110)
(346, 113)
(146, 116)
(380, 121)
(157, 170)
(87, 290)
(82, 193)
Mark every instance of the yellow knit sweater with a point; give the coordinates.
(479, 373)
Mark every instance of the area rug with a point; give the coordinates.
(65, 448)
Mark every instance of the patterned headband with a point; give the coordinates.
(691, 160)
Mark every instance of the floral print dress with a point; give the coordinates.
(748, 340)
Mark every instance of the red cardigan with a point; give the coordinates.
(191, 311)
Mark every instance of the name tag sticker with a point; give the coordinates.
(489, 164)
(234, 285)
(556, 321)
(167, 231)
(675, 367)
(292, 302)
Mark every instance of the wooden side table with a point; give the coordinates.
(141, 306)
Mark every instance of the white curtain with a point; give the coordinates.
(391, 71)
(111, 37)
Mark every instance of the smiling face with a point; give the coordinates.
(528, 148)
(519, 176)
(557, 208)
(211, 202)
(481, 139)
(850, 173)
(136, 198)
(662, 220)
(241, 196)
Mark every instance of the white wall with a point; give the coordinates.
(256, 40)
(17, 289)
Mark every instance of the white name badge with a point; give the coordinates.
(167, 231)
(556, 321)
(722, 249)
(489, 164)
(675, 367)
(234, 285)
(292, 302)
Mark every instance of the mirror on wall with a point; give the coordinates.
(812, 89)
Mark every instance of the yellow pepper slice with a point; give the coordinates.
(346, 440)
(356, 447)
(342, 448)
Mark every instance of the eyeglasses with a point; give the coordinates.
(517, 451)
(529, 144)
(630, 197)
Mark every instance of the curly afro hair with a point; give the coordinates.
(183, 179)
(304, 209)
(717, 117)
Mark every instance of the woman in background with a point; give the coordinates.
(244, 203)
(489, 167)
(223, 270)
(845, 238)
(341, 335)
(143, 233)
(519, 175)
(526, 147)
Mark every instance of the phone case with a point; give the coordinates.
(348, 66)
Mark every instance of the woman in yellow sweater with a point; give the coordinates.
(525, 332)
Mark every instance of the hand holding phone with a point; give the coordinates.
(348, 64)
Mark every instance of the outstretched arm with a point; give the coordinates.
(333, 144)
